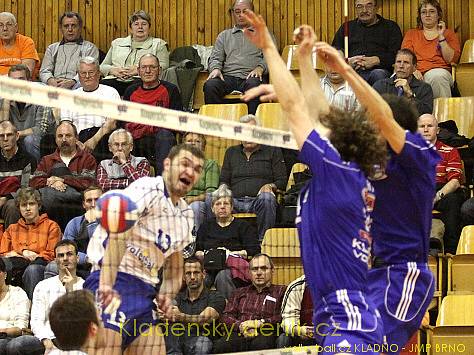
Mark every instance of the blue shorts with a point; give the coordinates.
(402, 294)
(345, 321)
(135, 314)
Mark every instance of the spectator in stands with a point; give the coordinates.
(435, 46)
(14, 318)
(16, 168)
(59, 65)
(253, 312)
(49, 290)
(14, 47)
(373, 42)
(196, 306)
(155, 92)
(207, 183)
(226, 232)
(29, 244)
(235, 63)
(80, 230)
(123, 168)
(32, 121)
(254, 172)
(449, 177)
(75, 323)
(297, 315)
(93, 129)
(404, 83)
(120, 66)
(337, 92)
(63, 175)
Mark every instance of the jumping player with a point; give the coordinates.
(334, 208)
(129, 266)
(400, 282)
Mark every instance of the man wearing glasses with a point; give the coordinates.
(373, 42)
(152, 142)
(14, 47)
(123, 168)
(252, 315)
(93, 129)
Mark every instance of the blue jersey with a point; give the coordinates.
(333, 220)
(403, 212)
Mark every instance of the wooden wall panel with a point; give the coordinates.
(183, 22)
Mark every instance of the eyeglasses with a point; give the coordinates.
(7, 25)
(150, 67)
(87, 73)
(426, 12)
(368, 7)
(118, 145)
(140, 24)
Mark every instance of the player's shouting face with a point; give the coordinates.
(181, 172)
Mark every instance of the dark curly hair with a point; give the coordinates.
(356, 139)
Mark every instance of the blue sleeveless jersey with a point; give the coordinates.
(403, 212)
(333, 220)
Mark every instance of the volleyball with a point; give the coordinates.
(117, 213)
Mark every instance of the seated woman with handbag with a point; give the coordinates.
(226, 243)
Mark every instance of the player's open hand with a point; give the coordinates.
(165, 305)
(265, 91)
(305, 38)
(109, 298)
(258, 33)
(331, 57)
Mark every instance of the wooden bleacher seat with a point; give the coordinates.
(283, 246)
(271, 116)
(461, 265)
(464, 70)
(296, 168)
(454, 330)
(459, 109)
(435, 263)
(216, 147)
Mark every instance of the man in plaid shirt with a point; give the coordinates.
(123, 168)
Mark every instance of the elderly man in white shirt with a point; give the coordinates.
(49, 290)
(93, 129)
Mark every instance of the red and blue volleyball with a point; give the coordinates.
(117, 213)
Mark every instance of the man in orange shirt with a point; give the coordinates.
(14, 47)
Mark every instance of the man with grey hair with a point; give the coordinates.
(59, 65)
(123, 168)
(254, 172)
(14, 47)
(92, 129)
(235, 63)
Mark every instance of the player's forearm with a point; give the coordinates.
(112, 258)
(172, 275)
(287, 89)
(314, 96)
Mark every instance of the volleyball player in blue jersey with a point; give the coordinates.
(334, 213)
(400, 282)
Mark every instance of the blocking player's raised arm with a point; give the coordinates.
(316, 101)
(378, 110)
(289, 93)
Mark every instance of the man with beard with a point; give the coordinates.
(61, 176)
(195, 307)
